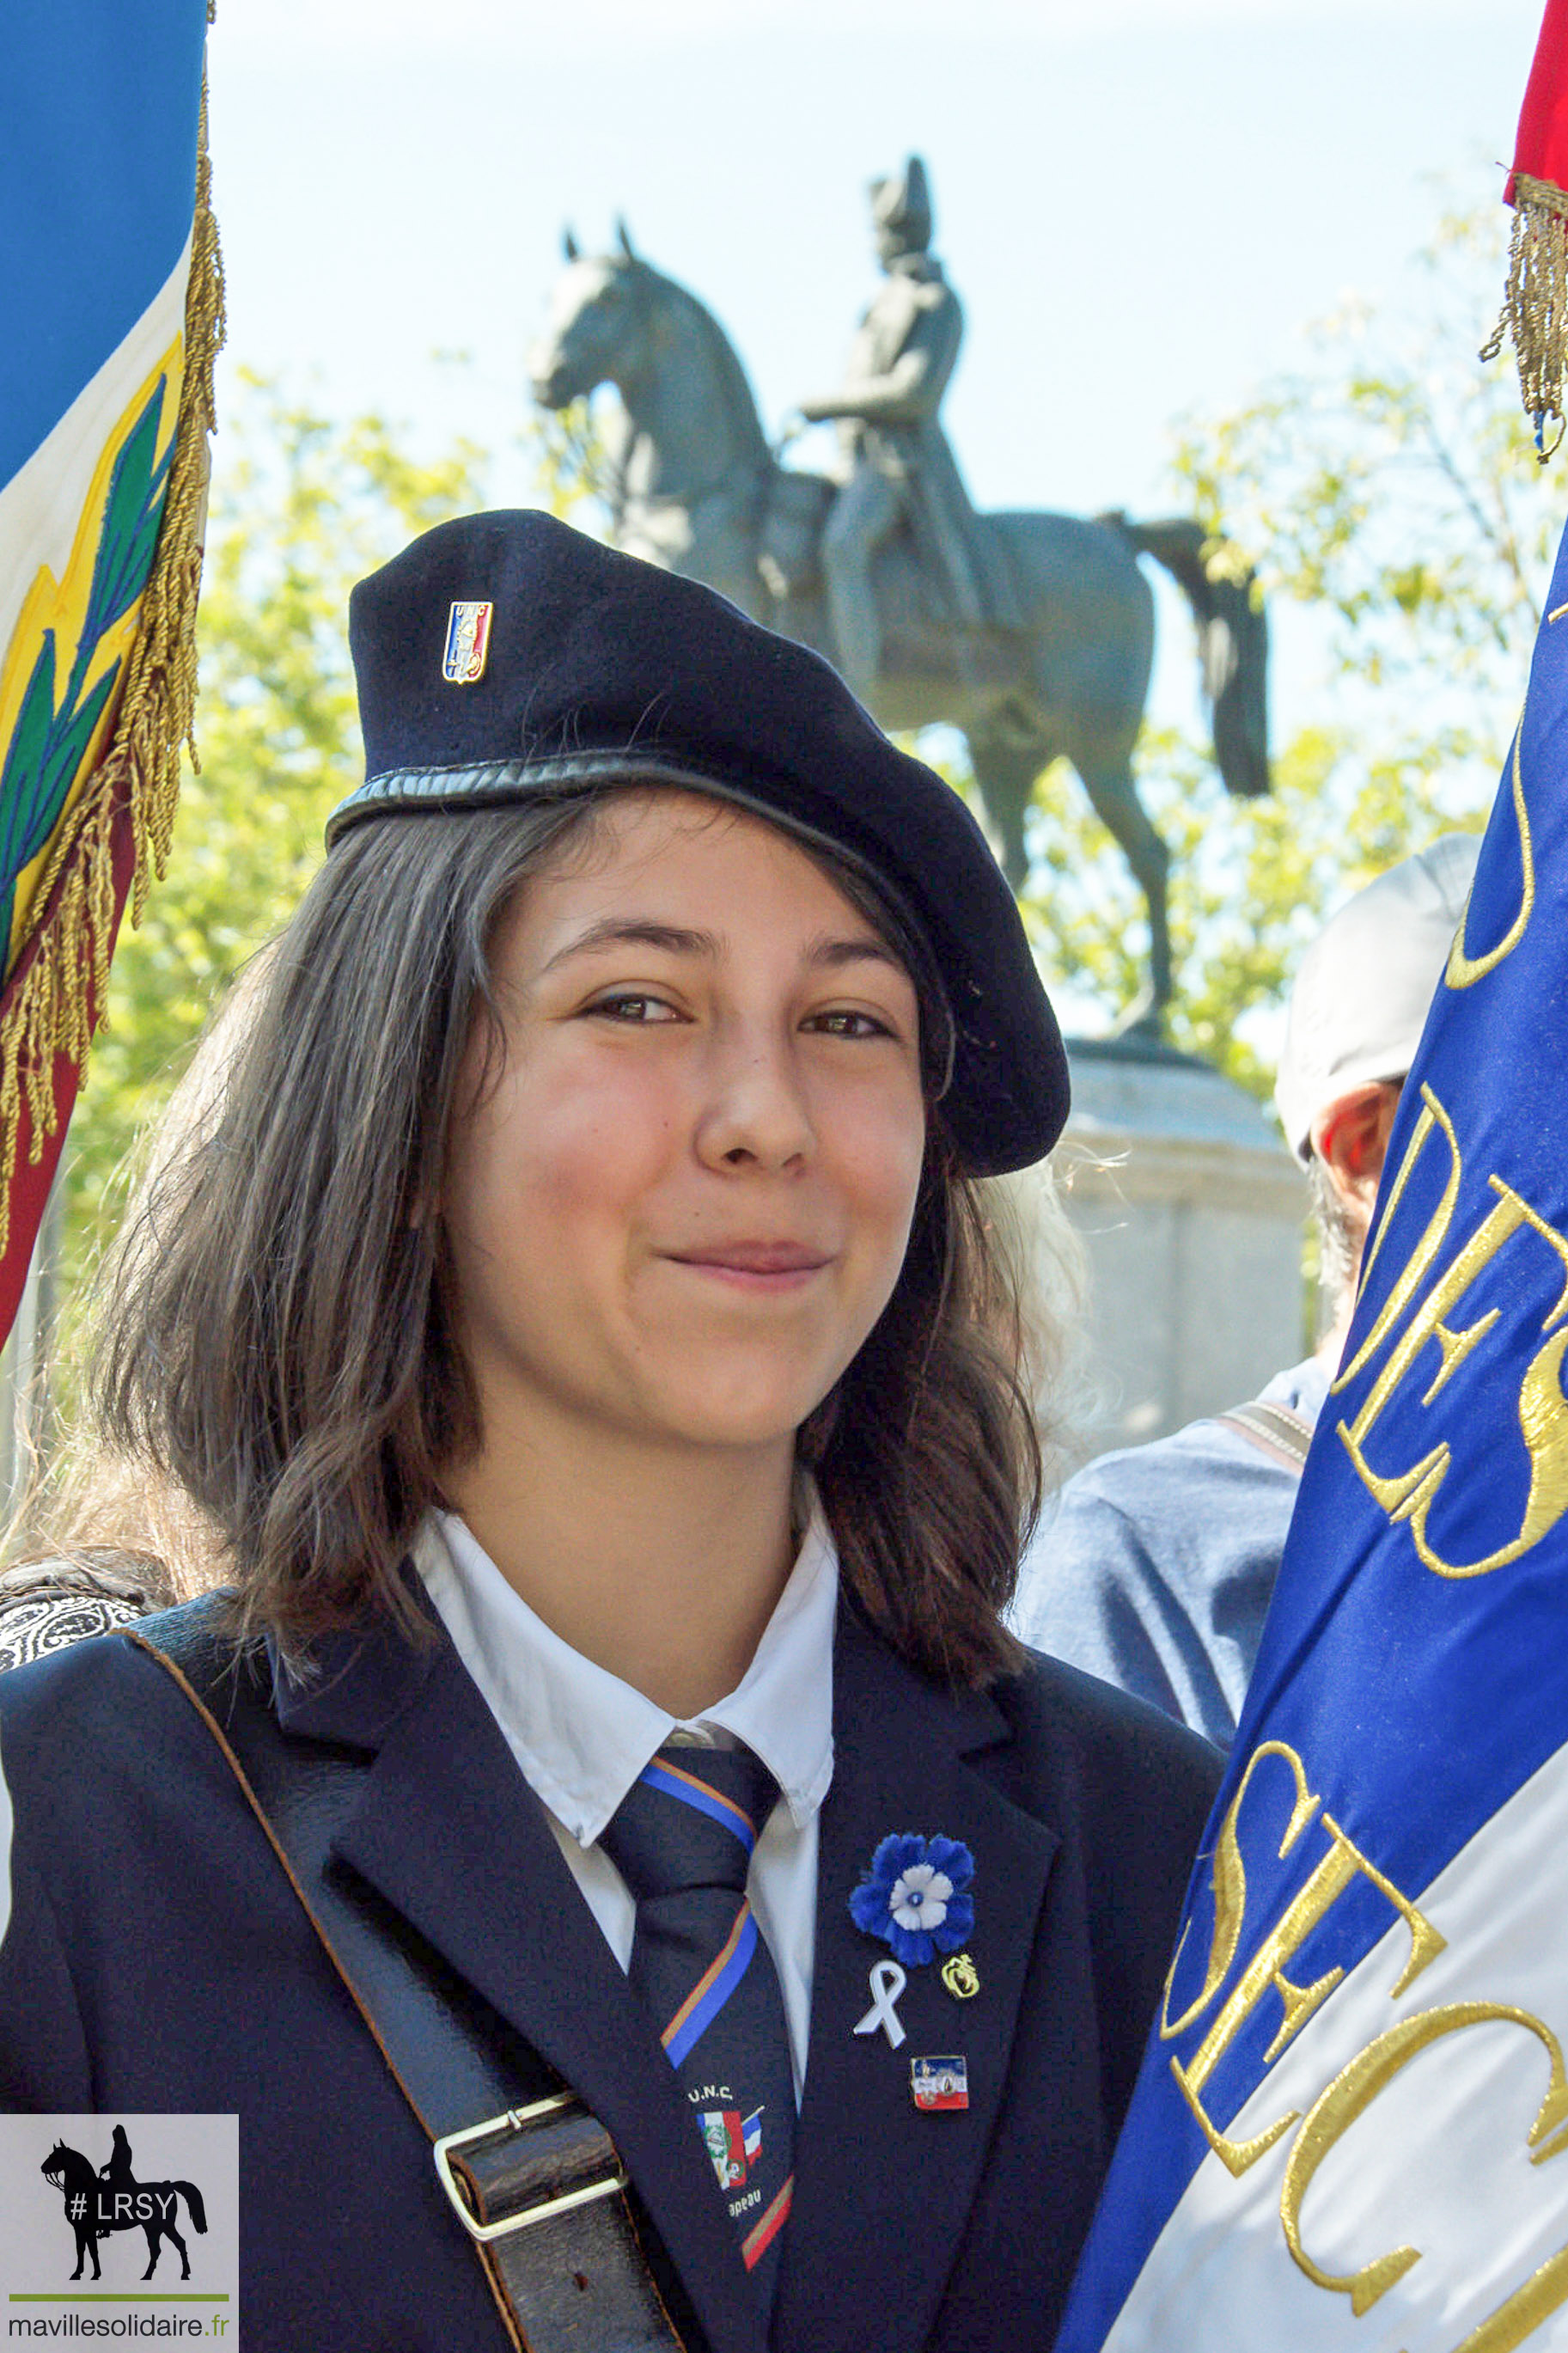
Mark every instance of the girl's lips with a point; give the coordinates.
(777, 1266)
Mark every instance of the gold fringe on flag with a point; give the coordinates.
(60, 999)
(1534, 313)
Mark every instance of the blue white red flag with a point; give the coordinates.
(110, 307)
(1351, 2132)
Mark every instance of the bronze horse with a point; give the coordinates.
(695, 487)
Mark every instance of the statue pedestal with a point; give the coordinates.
(1192, 1212)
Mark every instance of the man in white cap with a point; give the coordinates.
(1156, 1568)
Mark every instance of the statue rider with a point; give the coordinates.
(900, 466)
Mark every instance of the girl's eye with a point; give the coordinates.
(849, 1024)
(633, 1006)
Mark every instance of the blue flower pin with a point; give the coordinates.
(915, 1897)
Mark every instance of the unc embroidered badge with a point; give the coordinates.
(733, 2142)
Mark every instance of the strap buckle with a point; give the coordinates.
(514, 2120)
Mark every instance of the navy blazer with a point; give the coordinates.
(158, 1960)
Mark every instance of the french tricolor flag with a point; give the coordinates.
(110, 317)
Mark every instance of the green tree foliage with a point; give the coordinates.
(1389, 487)
(303, 507)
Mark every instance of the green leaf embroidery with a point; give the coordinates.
(50, 743)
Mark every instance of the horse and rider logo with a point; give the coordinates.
(98, 2202)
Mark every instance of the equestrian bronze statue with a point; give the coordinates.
(1031, 633)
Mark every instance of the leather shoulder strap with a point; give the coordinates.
(1274, 1429)
(533, 2176)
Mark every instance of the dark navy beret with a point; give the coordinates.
(507, 658)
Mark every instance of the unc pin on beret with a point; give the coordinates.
(505, 657)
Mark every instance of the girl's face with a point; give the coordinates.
(686, 1202)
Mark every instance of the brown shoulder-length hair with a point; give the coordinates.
(279, 1337)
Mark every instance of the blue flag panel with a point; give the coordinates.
(98, 106)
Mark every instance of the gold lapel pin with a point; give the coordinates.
(961, 1977)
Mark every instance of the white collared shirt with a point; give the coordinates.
(581, 1735)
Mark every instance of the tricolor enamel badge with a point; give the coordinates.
(940, 2083)
(468, 643)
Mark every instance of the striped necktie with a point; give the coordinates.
(682, 1838)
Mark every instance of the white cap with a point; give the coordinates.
(1361, 997)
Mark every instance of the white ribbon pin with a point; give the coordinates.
(887, 1982)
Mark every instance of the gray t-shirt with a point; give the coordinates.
(1155, 1568)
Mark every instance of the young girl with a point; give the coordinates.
(581, 1326)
